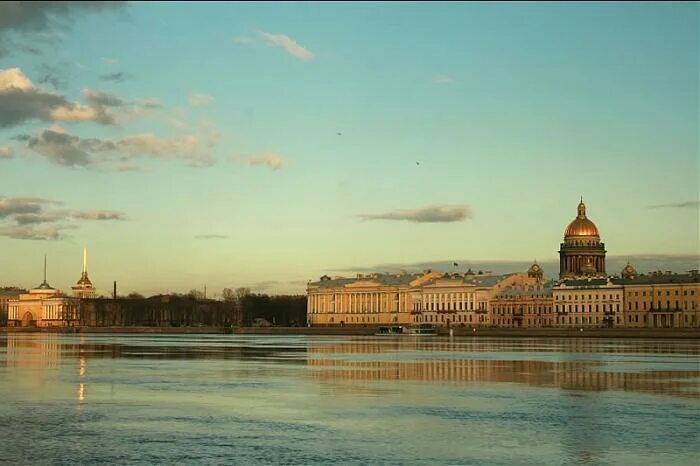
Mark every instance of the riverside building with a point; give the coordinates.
(43, 306)
(583, 297)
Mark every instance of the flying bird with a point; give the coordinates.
(340, 134)
(455, 264)
(417, 163)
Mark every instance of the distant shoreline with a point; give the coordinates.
(690, 333)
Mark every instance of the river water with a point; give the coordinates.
(237, 399)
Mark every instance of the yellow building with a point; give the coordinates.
(7, 295)
(660, 300)
(591, 302)
(43, 306)
(440, 299)
(585, 297)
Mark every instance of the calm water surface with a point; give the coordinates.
(232, 399)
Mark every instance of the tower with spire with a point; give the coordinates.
(84, 287)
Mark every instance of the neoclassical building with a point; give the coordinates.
(43, 306)
(581, 254)
(583, 297)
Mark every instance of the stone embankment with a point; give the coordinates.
(458, 331)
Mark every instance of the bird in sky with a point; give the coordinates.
(417, 163)
(340, 134)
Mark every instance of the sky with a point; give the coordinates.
(264, 145)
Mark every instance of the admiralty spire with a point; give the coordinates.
(84, 287)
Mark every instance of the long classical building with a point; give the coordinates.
(583, 297)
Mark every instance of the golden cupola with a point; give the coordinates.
(582, 254)
(581, 225)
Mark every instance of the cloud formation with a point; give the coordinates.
(443, 79)
(269, 159)
(30, 232)
(430, 214)
(65, 149)
(27, 217)
(21, 101)
(10, 206)
(5, 153)
(200, 99)
(287, 43)
(677, 205)
(23, 23)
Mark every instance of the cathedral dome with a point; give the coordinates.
(535, 270)
(629, 271)
(581, 225)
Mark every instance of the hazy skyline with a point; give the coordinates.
(264, 145)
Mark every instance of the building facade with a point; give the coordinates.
(661, 300)
(8, 294)
(43, 306)
(583, 297)
(587, 302)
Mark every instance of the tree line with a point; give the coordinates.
(237, 307)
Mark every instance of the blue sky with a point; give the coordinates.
(263, 145)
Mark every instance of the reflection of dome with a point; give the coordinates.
(581, 225)
(629, 271)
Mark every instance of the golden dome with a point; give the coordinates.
(581, 226)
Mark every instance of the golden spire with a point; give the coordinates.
(84, 261)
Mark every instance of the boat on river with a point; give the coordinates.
(414, 330)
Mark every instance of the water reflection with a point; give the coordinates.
(353, 400)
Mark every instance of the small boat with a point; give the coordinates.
(390, 330)
(422, 329)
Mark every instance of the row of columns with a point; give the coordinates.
(444, 302)
(574, 264)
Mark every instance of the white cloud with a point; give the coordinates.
(13, 78)
(243, 40)
(200, 99)
(443, 79)
(287, 43)
(5, 152)
(21, 101)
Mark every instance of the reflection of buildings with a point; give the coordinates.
(42, 306)
(584, 296)
(569, 375)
